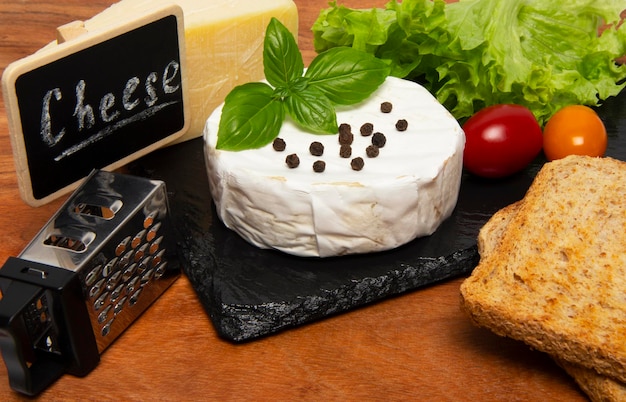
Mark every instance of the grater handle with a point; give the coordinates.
(28, 373)
(44, 326)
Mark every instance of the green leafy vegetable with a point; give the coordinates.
(345, 83)
(475, 53)
(313, 110)
(253, 113)
(282, 60)
(252, 119)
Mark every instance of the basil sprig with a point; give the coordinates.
(253, 113)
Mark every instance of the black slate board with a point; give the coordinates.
(249, 292)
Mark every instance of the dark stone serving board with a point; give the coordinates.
(250, 293)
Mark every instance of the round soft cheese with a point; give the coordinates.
(403, 193)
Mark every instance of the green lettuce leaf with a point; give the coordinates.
(476, 53)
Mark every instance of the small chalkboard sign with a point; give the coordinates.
(96, 101)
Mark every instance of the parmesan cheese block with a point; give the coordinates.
(224, 44)
(403, 193)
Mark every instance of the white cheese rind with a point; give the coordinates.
(404, 193)
(223, 40)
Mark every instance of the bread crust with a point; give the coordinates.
(555, 278)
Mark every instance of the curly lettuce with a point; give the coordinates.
(474, 53)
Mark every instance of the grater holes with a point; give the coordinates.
(156, 260)
(114, 280)
(117, 292)
(152, 233)
(119, 283)
(140, 253)
(96, 289)
(143, 265)
(146, 277)
(138, 239)
(149, 220)
(109, 267)
(132, 284)
(132, 300)
(70, 243)
(100, 301)
(160, 270)
(126, 259)
(155, 245)
(104, 315)
(93, 275)
(106, 329)
(121, 248)
(129, 272)
(98, 211)
(119, 305)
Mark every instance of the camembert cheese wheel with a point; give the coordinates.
(403, 192)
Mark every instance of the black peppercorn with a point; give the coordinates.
(319, 166)
(316, 148)
(292, 161)
(346, 138)
(372, 151)
(402, 125)
(379, 140)
(345, 128)
(279, 144)
(357, 163)
(345, 151)
(386, 107)
(367, 129)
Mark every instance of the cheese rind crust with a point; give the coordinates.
(404, 193)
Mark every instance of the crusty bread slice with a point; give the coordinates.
(491, 233)
(557, 278)
(597, 387)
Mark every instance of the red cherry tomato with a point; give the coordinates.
(501, 140)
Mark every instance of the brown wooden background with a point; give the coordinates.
(418, 346)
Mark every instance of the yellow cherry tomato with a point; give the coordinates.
(574, 130)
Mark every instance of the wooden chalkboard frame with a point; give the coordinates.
(98, 100)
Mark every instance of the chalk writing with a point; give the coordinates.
(111, 129)
(98, 101)
(108, 110)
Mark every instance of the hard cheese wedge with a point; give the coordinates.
(224, 44)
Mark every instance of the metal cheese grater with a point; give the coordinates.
(99, 262)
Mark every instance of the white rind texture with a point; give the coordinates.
(404, 193)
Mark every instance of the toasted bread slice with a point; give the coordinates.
(556, 279)
(491, 233)
(597, 387)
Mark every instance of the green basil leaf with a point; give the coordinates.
(312, 110)
(251, 118)
(346, 75)
(282, 60)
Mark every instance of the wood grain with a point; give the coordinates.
(415, 346)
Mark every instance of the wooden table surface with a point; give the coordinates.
(417, 346)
